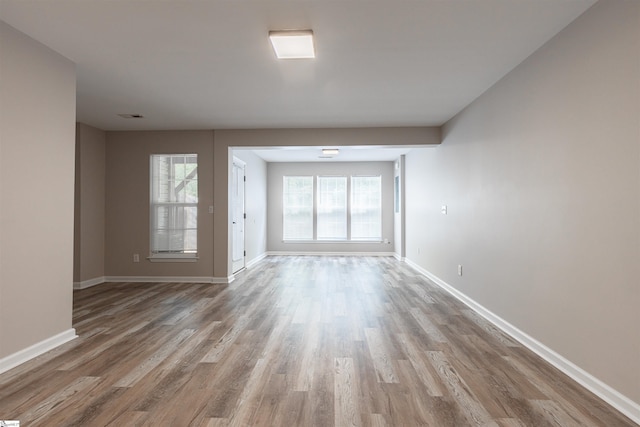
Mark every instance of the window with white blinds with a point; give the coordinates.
(174, 205)
(366, 208)
(332, 208)
(298, 208)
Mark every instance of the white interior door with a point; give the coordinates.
(238, 217)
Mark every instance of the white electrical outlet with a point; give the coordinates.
(459, 270)
(444, 209)
(136, 257)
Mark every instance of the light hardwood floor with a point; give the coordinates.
(294, 341)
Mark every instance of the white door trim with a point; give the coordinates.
(238, 254)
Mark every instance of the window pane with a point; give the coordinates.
(191, 191)
(332, 207)
(174, 203)
(366, 208)
(190, 241)
(159, 239)
(298, 208)
(174, 228)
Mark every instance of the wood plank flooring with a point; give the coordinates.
(294, 341)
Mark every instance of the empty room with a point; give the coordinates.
(320, 213)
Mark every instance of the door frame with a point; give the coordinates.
(238, 224)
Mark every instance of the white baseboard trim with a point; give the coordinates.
(616, 399)
(399, 258)
(304, 253)
(256, 260)
(89, 283)
(169, 279)
(223, 280)
(36, 349)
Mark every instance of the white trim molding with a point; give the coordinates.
(302, 253)
(223, 280)
(616, 399)
(169, 279)
(256, 260)
(36, 350)
(89, 283)
(399, 258)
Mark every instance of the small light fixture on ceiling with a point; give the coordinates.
(292, 44)
(330, 151)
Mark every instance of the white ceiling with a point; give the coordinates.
(208, 64)
(346, 154)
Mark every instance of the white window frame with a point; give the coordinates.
(183, 255)
(349, 215)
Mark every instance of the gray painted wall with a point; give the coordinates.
(127, 201)
(89, 204)
(541, 176)
(276, 172)
(37, 144)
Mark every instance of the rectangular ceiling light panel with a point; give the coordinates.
(293, 44)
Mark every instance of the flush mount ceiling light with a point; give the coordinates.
(292, 44)
(330, 151)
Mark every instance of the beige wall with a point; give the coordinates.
(90, 205)
(255, 204)
(276, 172)
(541, 176)
(37, 134)
(409, 136)
(127, 201)
(222, 227)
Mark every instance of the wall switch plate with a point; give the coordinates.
(459, 270)
(444, 209)
(136, 257)
(210, 209)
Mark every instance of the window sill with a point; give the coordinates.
(173, 258)
(332, 241)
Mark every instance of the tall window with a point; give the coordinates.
(174, 205)
(332, 208)
(366, 208)
(298, 208)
